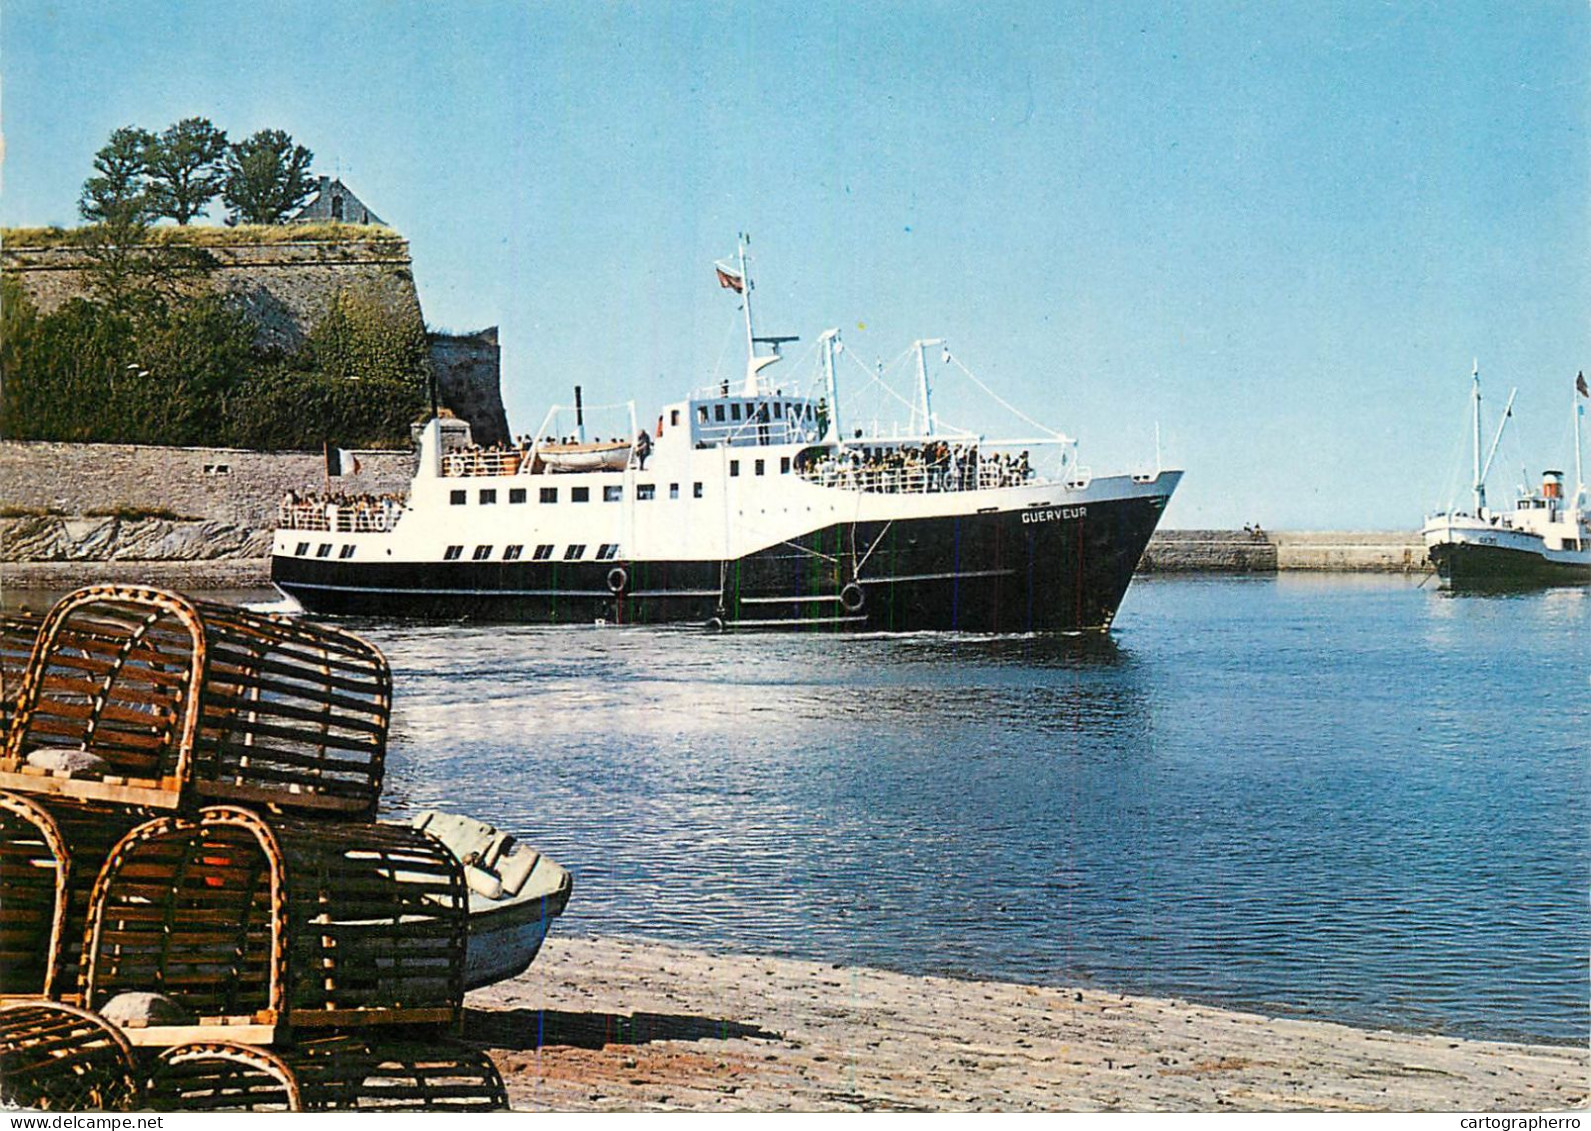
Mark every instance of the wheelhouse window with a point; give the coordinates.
(673, 418)
(549, 494)
(457, 498)
(453, 553)
(734, 411)
(718, 413)
(575, 553)
(482, 553)
(543, 552)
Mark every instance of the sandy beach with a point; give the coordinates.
(612, 1025)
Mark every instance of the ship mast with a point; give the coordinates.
(1478, 483)
(828, 345)
(755, 363)
(923, 390)
(745, 306)
(1579, 411)
(1484, 469)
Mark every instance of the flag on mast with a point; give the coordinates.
(1580, 385)
(340, 461)
(729, 279)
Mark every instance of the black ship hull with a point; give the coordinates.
(1466, 565)
(1039, 570)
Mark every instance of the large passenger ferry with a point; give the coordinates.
(745, 507)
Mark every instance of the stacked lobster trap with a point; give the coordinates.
(197, 907)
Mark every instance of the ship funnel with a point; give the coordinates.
(580, 418)
(1552, 484)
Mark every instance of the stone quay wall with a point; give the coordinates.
(1240, 551)
(75, 513)
(226, 485)
(1208, 551)
(1359, 551)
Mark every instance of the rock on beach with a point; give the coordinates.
(616, 1025)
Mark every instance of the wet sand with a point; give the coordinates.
(612, 1025)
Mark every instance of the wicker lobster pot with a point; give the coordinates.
(333, 1074)
(17, 634)
(248, 927)
(179, 702)
(57, 1057)
(51, 851)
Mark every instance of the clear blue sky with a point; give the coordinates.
(1281, 231)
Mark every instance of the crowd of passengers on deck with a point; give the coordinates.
(310, 510)
(936, 466)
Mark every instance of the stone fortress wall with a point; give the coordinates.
(286, 287)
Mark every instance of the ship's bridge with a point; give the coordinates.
(719, 417)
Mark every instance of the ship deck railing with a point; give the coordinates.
(485, 461)
(920, 479)
(358, 517)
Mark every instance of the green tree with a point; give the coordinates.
(363, 337)
(130, 272)
(267, 176)
(120, 193)
(186, 169)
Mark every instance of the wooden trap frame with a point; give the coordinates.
(18, 631)
(168, 703)
(342, 1073)
(57, 1057)
(51, 851)
(252, 927)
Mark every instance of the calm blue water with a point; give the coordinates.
(1338, 797)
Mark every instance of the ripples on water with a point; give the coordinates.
(1340, 797)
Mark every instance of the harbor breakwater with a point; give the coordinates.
(71, 514)
(1258, 551)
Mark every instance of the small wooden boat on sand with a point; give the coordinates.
(514, 895)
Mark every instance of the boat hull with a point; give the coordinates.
(1476, 566)
(1039, 569)
(504, 940)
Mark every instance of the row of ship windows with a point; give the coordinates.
(572, 553)
(755, 410)
(644, 492)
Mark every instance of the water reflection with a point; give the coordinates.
(1344, 797)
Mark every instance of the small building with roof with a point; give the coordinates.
(334, 201)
